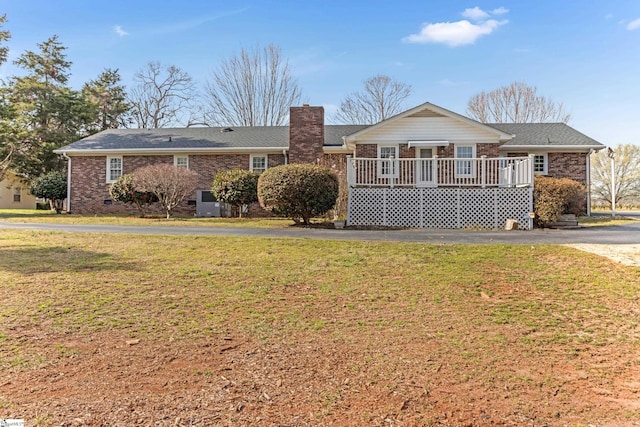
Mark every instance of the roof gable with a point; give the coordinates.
(432, 111)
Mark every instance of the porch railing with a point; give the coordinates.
(440, 172)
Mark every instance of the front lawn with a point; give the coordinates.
(39, 216)
(111, 329)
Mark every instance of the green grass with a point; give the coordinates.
(39, 216)
(595, 221)
(198, 285)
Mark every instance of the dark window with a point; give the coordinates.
(207, 197)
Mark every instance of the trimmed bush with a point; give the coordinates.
(237, 187)
(553, 197)
(298, 191)
(51, 186)
(124, 190)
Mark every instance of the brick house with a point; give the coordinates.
(425, 167)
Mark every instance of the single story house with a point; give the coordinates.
(14, 193)
(425, 167)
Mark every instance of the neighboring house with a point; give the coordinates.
(425, 167)
(14, 193)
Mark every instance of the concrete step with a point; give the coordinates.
(565, 221)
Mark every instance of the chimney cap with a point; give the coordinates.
(305, 105)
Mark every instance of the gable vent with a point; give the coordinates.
(426, 113)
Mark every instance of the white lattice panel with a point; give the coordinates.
(439, 207)
(477, 208)
(404, 207)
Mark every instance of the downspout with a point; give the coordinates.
(68, 181)
(284, 153)
(588, 164)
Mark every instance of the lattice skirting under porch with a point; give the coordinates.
(483, 208)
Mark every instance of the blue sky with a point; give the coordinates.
(585, 54)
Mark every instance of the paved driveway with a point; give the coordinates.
(617, 235)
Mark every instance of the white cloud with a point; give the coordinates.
(475, 14)
(454, 34)
(460, 33)
(119, 31)
(633, 25)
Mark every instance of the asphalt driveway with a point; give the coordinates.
(617, 234)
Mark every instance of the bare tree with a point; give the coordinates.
(380, 99)
(169, 183)
(515, 103)
(626, 173)
(162, 96)
(254, 88)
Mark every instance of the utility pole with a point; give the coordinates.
(612, 156)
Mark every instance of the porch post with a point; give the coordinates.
(351, 172)
(483, 171)
(435, 170)
(531, 169)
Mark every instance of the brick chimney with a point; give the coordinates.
(306, 134)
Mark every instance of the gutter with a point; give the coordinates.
(561, 148)
(588, 165)
(168, 150)
(64, 154)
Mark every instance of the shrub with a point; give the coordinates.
(298, 191)
(237, 187)
(553, 197)
(124, 190)
(51, 186)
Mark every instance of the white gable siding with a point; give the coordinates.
(428, 128)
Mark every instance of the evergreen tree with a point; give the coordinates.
(109, 97)
(7, 137)
(46, 113)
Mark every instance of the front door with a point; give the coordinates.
(425, 168)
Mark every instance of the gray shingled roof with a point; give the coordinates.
(544, 134)
(537, 135)
(257, 137)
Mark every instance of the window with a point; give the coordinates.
(258, 163)
(181, 161)
(388, 168)
(17, 194)
(114, 168)
(465, 168)
(540, 164)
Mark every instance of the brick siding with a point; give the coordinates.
(568, 165)
(90, 189)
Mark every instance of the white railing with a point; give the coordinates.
(440, 172)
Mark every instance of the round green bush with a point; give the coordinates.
(51, 186)
(124, 190)
(298, 191)
(236, 187)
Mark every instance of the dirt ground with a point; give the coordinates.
(110, 380)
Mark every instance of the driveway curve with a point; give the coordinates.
(617, 234)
